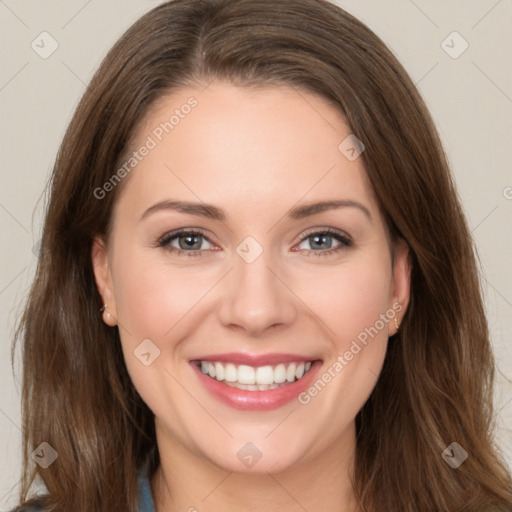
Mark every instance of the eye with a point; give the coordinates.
(189, 242)
(183, 242)
(321, 241)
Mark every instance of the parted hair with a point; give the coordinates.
(436, 385)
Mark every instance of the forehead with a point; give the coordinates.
(250, 149)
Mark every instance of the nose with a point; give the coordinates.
(256, 297)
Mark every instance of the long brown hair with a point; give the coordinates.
(437, 381)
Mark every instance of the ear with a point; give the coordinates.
(103, 278)
(401, 283)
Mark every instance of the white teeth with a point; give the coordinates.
(254, 379)
(246, 374)
(231, 373)
(265, 375)
(280, 373)
(219, 371)
(300, 371)
(290, 372)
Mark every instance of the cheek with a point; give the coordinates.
(153, 297)
(162, 303)
(349, 298)
(352, 302)
(154, 302)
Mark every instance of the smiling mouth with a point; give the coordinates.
(249, 378)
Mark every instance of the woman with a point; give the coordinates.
(267, 372)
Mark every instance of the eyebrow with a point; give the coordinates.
(213, 212)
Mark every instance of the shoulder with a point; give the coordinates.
(146, 502)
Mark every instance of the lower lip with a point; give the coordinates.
(257, 400)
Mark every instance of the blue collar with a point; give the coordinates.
(146, 503)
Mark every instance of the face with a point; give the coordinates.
(252, 324)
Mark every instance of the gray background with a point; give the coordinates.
(470, 98)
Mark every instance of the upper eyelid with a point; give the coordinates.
(329, 231)
(173, 234)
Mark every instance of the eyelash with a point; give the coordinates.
(345, 242)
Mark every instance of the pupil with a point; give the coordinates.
(322, 238)
(189, 240)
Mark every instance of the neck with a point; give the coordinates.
(185, 482)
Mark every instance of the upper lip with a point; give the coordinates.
(255, 360)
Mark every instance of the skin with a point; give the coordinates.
(255, 153)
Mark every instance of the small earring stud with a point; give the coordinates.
(109, 316)
(396, 323)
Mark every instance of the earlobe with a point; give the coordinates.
(401, 284)
(103, 278)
